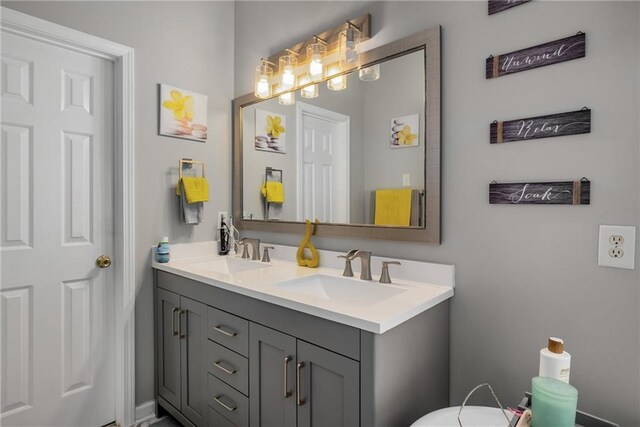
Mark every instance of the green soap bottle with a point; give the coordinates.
(553, 403)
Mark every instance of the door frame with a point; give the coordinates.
(17, 23)
(344, 125)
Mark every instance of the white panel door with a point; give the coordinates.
(323, 172)
(56, 207)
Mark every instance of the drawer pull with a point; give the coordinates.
(298, 381)
(287, 392)
(224, 405)
(223, 332)
(223, 369)
(174, 330)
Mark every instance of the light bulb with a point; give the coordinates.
(262, 88)
(288, 78)
(309, 91)
(315, 68)
(288, 98)
(337, 83)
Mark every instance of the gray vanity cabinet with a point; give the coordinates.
(329, 389)
(292, 379)
(225, 359)
(272, 384)
(181, 338)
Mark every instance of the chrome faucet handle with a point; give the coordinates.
(384, 277)
(365, 268)
(348, 271)
(265, 254)
(245, 251)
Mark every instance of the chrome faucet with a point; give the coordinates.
(365, 267)
(255, 248)
(348, 272)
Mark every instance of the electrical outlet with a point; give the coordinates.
(617, 246)
(220, 215)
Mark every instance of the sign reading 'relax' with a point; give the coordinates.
(541, 193)
(571, 123)
(554, 52)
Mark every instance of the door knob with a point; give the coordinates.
(103, 261)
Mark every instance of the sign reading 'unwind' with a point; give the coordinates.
(541, 193)
(572, 123)
(537, 56)
(496, 6)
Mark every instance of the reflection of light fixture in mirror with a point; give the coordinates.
(337, 83)
(264, 73)
(287, 67)
(349, 45)
(315, 53)
(370, 74)
(288, 98)
(310, 91)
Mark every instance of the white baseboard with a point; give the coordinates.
(146, 413)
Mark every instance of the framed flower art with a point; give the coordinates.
(183, 114)
(405, 131)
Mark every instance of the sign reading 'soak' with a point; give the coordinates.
(496, 6)
(571, 123)
(537, 56)
(541, 193)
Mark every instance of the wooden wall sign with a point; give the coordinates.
(537, 56)
(541, 193)
(571, 123)
(496, 6)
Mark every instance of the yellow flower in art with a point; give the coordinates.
(405, 137)
(274, 126)
(182, 106)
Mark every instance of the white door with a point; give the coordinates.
(56, 172)
(324, 174)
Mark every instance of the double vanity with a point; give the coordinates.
(242, 342)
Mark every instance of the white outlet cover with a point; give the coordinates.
(627, 261)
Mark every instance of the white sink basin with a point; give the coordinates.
(228, 265)
(342, 290)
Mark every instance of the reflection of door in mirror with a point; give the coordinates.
(323, 165)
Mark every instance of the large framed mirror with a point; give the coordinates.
(363, 160)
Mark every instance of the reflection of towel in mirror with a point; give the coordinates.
(393, 207)
(190, 213)
(273, 192)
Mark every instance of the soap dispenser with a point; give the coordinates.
(554, 361)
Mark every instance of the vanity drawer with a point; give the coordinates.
(217, 420)
(229, 330)
(228, 366)
(227, 401)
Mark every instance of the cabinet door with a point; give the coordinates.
(193, 335)
(329, 387)
(168, 346)
(272, 359)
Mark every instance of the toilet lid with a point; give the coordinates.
(472, 416)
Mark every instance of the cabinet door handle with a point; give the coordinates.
(182, 334)
(223, 369)
(175, 310)
(224, 405)
(298, 381)
(223, 332)
(287, 392)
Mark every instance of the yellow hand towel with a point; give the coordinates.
(273, 191)
(196, 189)
(393, 207)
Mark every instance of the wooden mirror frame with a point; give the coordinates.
(428, 40)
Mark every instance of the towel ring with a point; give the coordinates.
(188, 163)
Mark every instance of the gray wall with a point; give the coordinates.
(182, 44)
(523, 272)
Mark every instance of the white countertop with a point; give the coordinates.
(425, 284)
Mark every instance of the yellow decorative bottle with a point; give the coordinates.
(303, 261)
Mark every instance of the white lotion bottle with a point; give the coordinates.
(554, 361)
